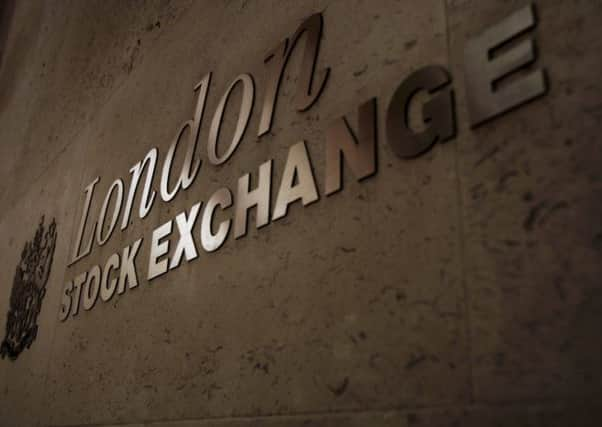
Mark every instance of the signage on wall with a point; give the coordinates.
(28, 291)
(489, 59)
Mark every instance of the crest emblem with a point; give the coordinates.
(29, 288)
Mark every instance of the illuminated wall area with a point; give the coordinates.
(325, 213)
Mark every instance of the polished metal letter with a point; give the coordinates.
(212, 242)
(92, 287)
(243, 119)
(189, 169)
(487, 95)
(77, 285)
(437, 113)
(66, 302)
(246, 199)
(148, 194)
(117, 184)
(275, 62)
(297, 181)
(157, 250)
(360, 153)
(107, 288)
(82, 225)
(127, 274)
(185, 245)
(306, 94)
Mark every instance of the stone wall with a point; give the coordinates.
(459, 288)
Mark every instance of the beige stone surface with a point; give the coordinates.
(581, 414)
(62, 62)
(460, 288)
(531, 187)
(23, 382)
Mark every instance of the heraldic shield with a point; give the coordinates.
(29, 288)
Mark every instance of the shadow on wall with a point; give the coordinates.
(7, 8)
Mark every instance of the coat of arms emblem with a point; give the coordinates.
(29, 288)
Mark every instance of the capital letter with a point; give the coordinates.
(185, 245)
(484, 70)
(107, 287)
(127, 274)
(297, 181)
(92, 287)
(246, 199)
(82, 225)
(65, 302)
(360, 153)
(212, 242)
(157, 250)
(438, 113)
(77, 285)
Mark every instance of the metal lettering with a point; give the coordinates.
(77, 285)
(117, 184)
(189, 169)
(148, 194)
(486, 95)
(246, 107)
(89, 191)
(66, 302)
(438, 113)
(297, 181)
(212, 242)
(108, 287)
(306, 94)
(157, 250)
(275, 61)
(185, 245)
(260, 197)
(127, 273)
(92, 287)
(360, 153)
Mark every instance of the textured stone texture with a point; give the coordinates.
(23, 382)
(531, 203)
(460, 288)
(62, 61)
(547, 415)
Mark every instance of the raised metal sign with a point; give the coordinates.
(488, 91)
